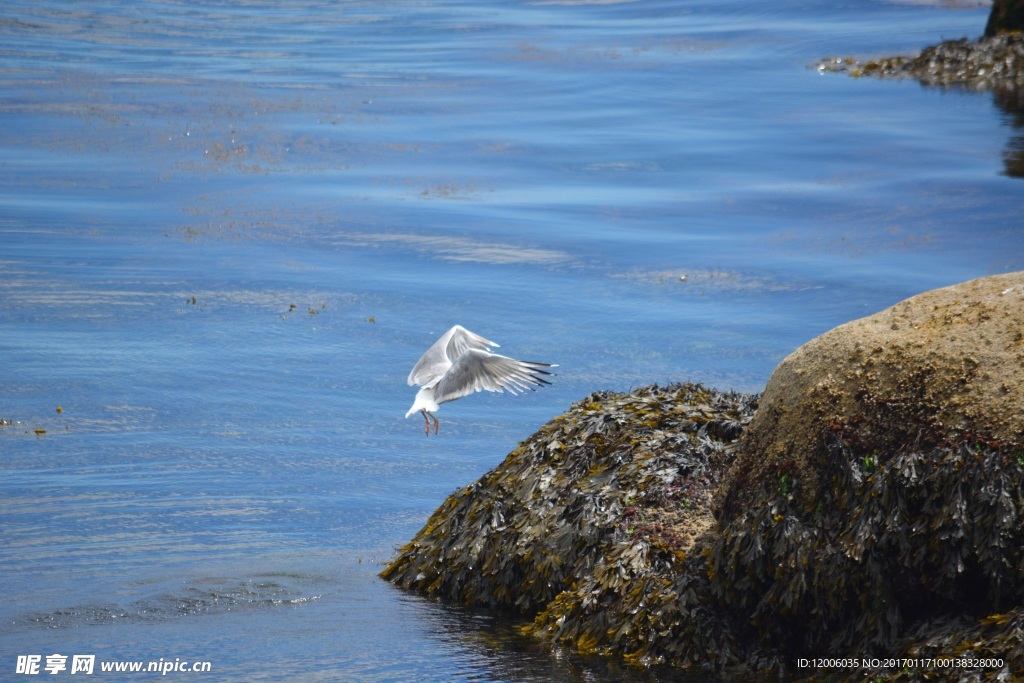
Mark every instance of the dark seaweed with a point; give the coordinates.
(599, 526)
(528, 529)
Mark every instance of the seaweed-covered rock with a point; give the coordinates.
(939, 368)
(993, 63)
(614, 469)
(876, 504)
(872, 508)
(990, 63)
(896, 556)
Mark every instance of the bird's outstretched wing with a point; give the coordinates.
(446, 351)
(476, 370)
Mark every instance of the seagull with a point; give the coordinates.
(460, 363)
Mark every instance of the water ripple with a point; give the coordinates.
(203, 597)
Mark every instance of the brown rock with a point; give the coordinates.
(937, 369)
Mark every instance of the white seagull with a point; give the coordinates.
(460, 363)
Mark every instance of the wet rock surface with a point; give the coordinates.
(873, 507)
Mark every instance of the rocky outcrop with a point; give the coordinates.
(873, 507)
(876, 505)
(993, 63)
(990, 63)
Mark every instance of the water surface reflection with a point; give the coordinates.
(1011, 101)
(502, 652)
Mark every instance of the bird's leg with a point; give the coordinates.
(426, 421)
(436, 424)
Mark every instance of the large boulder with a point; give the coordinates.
(876, 503)
(939, 368)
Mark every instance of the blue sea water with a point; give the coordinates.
(229, 229)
